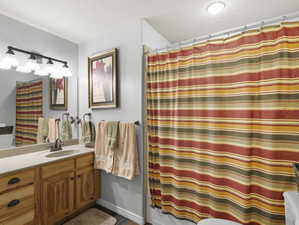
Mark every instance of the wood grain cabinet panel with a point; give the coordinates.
(56, 168)
(15, 180)
(86, 187)
(85, 161)
(25, 219)
(16, 203)
(57, 197)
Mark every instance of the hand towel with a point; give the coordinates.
(42, 130)
(39, 137)
(92, 132)
(103, 156)
(126, 158)
(53, 131)
(123, 160)
(112, 135)
(88, 132)
(66, 130)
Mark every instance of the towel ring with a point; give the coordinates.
(87, 114)
(65, 114)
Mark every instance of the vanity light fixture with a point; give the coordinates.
(9, 60)
(216, 7)
(32, 65)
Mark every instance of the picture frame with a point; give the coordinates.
(103, 80)
(58, 93)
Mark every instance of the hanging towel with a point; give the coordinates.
(42, 130)
(103, 155)
(112, 135)
(53, 131)
(87, 132)
(92, 132)
(66, 130)
(126, 159)
(122, 160)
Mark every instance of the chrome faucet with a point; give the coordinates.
(57, 146)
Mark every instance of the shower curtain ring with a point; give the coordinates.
(262, 26)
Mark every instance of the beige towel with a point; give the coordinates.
(42, 130)
(53, 131)
(103, 156)
(126, 159)
(123, 160)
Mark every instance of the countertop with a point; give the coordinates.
(24, 161)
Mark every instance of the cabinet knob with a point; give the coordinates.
(79, 176)
(13, 203)
(72, 178)
(13, 181)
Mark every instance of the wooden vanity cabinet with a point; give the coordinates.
(68, 187)
(49, 194)
(87, 181)
(57, 192)
(19, 203)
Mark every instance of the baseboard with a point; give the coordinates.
(123, 212)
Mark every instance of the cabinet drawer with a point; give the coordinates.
(16, 202)
(57, 168)
(25, 219)
(85, 161)
(15, 180)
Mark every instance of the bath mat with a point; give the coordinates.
(92, 217)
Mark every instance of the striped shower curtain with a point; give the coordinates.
(223, 126)
(29, 100)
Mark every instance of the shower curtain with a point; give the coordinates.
(223, 126)
(29, 100)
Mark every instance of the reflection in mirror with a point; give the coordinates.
(29, 108)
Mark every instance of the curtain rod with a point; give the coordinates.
(228, 32)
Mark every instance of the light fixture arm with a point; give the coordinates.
(10, 48)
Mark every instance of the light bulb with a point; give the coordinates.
(31, 66)
(216, 7)
(8, 62)
(66, 72)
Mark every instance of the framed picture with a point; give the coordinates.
(102, 80)
(58, 93)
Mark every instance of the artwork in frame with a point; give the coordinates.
(58, 93)
(102, 80)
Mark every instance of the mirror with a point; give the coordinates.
(25, 98)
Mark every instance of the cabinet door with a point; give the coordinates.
(57, 197)
(87, 186)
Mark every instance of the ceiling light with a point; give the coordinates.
(216, 7)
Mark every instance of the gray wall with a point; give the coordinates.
(118, 193)
(26, 37)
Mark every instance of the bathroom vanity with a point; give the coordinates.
(47, 188)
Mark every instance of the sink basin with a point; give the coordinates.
(60, 153)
